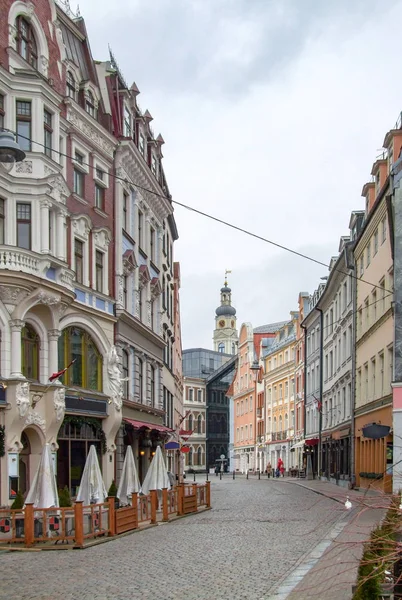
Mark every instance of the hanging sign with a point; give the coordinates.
(172, 446)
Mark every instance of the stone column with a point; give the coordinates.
(16, 326)
(60, 235)
(44, 226)
(53, 336)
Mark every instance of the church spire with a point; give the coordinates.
(225, 333)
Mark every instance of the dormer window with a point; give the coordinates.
(26, 42)
(70, 83)
(90, 104)
(154, 165)
(142, 144)
(127, 123)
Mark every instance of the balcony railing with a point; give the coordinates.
(17, 259)
(279, 435)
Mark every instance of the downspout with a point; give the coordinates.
(321, 388)
(304, 378)
(352, 474)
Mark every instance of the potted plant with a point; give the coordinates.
(112, 493)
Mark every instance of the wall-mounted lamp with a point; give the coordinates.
(153, 453)
(142, 452)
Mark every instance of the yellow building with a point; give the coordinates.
(279, 382)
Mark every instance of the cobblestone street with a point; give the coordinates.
(242, 549)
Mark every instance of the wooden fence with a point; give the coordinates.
(79, 524)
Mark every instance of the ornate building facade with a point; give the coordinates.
(82, 252)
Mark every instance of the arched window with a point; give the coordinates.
(90, 104)
(86, 372)
(190, 423)
(286, 421)
(30, 346)
(152, 386)
(274, 426)
(199, 422)
(221, 347)
(199, 456)
(190, 457)
(140, 378)
(233, 348)
(280, 422)
(70, 85)
(26, 42)
(125, 371)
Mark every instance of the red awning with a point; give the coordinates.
(312, 442)
(139, 424)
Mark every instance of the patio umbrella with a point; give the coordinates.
(157, 476)
(92, 488)
(129, 482)
(43, 491)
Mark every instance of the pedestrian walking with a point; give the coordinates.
(268, 470)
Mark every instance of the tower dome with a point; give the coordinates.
(224, 310)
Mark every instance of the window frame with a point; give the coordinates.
(99, 270)
(47, 133)
(29, 40)
(30, 344)
(2, 110)
(70, 85)
(2, 221)
(28, 221)
(81, 257)
(66, 352)
(24, 141)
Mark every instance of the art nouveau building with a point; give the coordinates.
(56, 251)
(73, 237)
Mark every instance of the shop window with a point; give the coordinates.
(30, 346)
(86, 372)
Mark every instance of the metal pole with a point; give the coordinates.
(234, 472)
(207, 474)
(194, 475)
(247, 474)
(259, 474)
(220, 475)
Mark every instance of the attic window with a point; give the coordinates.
(26, 42)
(70, 83)
(90, 104)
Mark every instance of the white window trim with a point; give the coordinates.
(81, 226)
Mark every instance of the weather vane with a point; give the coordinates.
(226, 276)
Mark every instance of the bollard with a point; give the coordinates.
(207, 474)
(234, 473)
(194, 475)
(247, 474)
(259, 474)
(220, 475)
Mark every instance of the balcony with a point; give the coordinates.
(13, 258)
(277, 436)
(260, 412)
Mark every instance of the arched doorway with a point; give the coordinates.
(29, 458)
(23, 467)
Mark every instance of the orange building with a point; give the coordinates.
(245, 393)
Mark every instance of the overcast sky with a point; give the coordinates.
(273, 112)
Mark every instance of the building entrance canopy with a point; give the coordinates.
(139, 424)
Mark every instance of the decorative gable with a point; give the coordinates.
(144, 276)
(129, 262)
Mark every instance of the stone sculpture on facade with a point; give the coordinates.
(23, 398)
(115, 378)
(59, 403)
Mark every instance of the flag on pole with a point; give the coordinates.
(60, 373)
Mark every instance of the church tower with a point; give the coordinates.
(225, 334)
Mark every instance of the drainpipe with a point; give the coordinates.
(352, 466)
(321, 387)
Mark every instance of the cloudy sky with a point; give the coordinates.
(273, 112)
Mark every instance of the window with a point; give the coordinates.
(367, 311)
(374, 303)
(75, 344)
(125, 371)
(2, 220)
(152, 244)
(373, 378)
(368, 254)
(199, 455)
(99, 271)
(152, 386)
(70, 83)
(199, 395)
(30, 353)
(191, 394)
(199, 424)
(79, 176)
(24, 225)
(24, 125)
(127, 123)
(99, 197)
(79, 260)
(381, 381)
(47, 132)
(361, 271)
(190, 423)
(251, 403)
(140, 228)
(383, 230)
(2, 111)
(140, 378)
(90, 104)
(142, 144)
(154, 165)
(382, 294)
(26, 42)
(375, 249)
(391, 365)
(221, 348)
(125, 211)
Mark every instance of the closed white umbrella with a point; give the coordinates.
(157, 476)
(92, 488)
(129, 482)
(43, 491)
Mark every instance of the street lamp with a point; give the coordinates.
(10, 152)
(255, 368)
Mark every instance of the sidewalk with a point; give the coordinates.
(329, 570)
